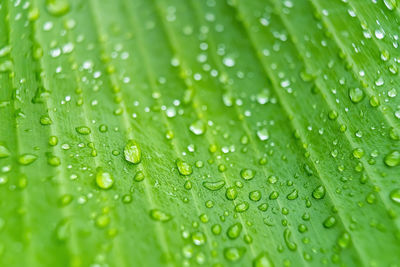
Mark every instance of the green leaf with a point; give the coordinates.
(199, 132)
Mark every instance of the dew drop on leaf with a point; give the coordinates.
(214, 186)
(132, 152)
(159, 215)
(234, 254)
(183, 167)
(45, 120)
(255, 195)
(319, 192)
(395, 196)
(242, 207)
(198, 127)
(104, 180)
(392, 159)
(263, 260)
(231, 193)
(356, 94)
(199, 238)
(329, 222)
(4, 152)
(289, 243)
(57, 7)
(26, 159)
(247, 174)
(84, 130)
(263, 134)
(234, 231)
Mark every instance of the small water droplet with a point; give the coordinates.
(57, 7)
(247, 174)
(83, 130)
(132, 152)
(234, 231)
(356, 95)
(263, 134)
(183, 167)
(26, 159)
(104, 180)
(4, 152)
(319, 192)
(159, 215)
(395, 196)
(234, 254)
(198, 127)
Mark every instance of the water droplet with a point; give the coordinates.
(395, 196)
(229, 62)
(214, 186)
(198, 127)
(290, 244)
(26, 159)
(198, 238)
(53, 160)
(274, 195)
(329, 222)
(231, 193)
(63, 230)
(183, 167)
(104, 180)
(4, 152)
(159, 215)
(57, 7)
(132, 152)
(263, 134)
(83, 130)
(263, 260)
(358, 153)
(293, 195)
(247, 174)
(392, 159)
(233, 253)
(234, 231)
(255, 195)
(45, 120)
(139, 176)
(53, 140)
(319, 192)
(102, 221)
(216, 229)
(356, 95)
(242, 207)
(344, 240)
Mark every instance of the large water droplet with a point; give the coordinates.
(214, 186)
(392, 159)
